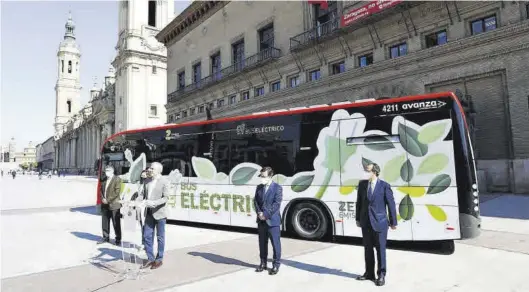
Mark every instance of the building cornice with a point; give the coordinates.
(134, 53)
(191, 17)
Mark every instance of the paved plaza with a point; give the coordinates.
(50, 229)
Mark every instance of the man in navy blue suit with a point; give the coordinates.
(267, 201)
(374, 195)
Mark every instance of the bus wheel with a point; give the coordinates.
(448, 247)
(309, 221)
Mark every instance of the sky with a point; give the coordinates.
(30, 34)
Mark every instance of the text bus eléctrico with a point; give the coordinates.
(318, 155)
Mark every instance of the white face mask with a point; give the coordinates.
(367, 175)
(265, 180)
(109, 173)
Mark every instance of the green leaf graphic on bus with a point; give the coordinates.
(204, 168)
(136, 168)
(439, 184)
(406, 171)
(391, 171)
(437, 212)
(348, 186)
(366, 162)
(410, 142)
(302, 182)
(433, 164)
(378, 143)
(243, 175)
(220, 176)
(406, 208)
(337, 153)
(434, 131)
(279, 179)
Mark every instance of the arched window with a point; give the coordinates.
(69, 66)
(62, 66)
(151, 13)
(69, 103)
(76, 66)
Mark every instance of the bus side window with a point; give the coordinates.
(307, 149)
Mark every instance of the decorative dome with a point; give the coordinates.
(69, 44)
(70, 27)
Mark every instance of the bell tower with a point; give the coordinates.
(68, 86)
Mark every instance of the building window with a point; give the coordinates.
(245, 95)
(192, 111)
(201, 109)
(259, 91)
(152, 13)
(76, 66)
(365, 60)
(69, 104)
(314, 75)
(177, 117)
(338, 68)
(197, 72)
(69, 66)
(220, 102)
(211, 105)
(276, 86)
(232, 99)
(181, 80)
(153, 69)
(238, 54)
(293, 81)
(215, 66)
(398, 50)
(184, 114)
(436, 39)
(483, 24)
(62, 66)
(154, 111)
(266, 37)
(527, 11)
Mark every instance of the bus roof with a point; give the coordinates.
(300, 110)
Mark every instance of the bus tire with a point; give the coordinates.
(448, 247)
(309, 221)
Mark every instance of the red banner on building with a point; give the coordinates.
(367, 10)
(323, 4)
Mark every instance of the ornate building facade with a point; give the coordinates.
(239, 57)
(133, 94)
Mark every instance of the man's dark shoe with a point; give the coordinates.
(380, 281)
(103, 241)
(261, 268)
(156, 265)
(274, 270)
(118, 242)
(365, 277)
(147, 265)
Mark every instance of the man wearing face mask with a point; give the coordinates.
(268, 197)
(155, 195)
(373, 196)
(110, 195)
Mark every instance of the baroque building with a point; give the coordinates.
(240, 57)
(133, 94)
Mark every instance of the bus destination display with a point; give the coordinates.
(422, 105)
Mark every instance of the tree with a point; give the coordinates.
(34, 165)
(24, 165)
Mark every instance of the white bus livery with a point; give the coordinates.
(318, 153)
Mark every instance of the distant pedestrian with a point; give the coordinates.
(373, 197)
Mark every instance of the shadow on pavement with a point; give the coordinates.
(218, 259)
(92, 210)
(317, 269)
(86, 235)
(437, 247)
(505, 206)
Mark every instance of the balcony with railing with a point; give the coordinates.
(249, 63)
(315, 34)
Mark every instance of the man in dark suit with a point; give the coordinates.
(374, 195)
(268, 197)
(110, 205)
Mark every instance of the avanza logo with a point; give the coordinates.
(242, 129)
(424, 105)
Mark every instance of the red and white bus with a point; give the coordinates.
(318, 153)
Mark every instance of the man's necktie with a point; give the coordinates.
(370, 190)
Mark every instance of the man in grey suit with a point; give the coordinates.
(155, 195)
